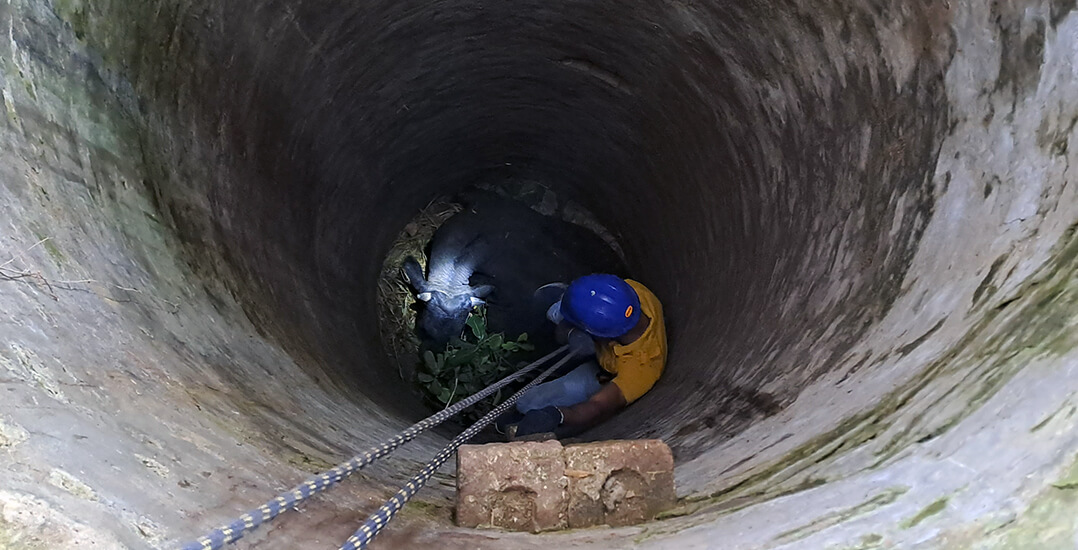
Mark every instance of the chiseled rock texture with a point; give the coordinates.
(529, 486)
(517, 486)
(618, 482)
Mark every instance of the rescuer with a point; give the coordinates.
(617, 324)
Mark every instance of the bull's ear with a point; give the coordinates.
(476, 302)
(423, 296)
(482, 291)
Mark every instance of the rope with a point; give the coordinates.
(287, 500)
(379, 519)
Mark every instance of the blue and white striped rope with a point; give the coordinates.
(287, 500)
(379, 519)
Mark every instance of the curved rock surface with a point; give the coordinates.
(860, 215)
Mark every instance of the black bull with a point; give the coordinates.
(499, 252)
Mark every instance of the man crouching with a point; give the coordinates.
(619, 322)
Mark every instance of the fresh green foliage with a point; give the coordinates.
(470, 364)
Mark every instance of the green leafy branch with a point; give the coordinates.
(470, 364)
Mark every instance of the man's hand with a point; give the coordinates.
(581, 343)
(538, 421)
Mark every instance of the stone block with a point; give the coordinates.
(618, 483)
(518, 486)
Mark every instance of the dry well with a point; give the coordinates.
(860, 215)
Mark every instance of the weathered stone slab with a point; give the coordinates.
(539, 486)
(519, 486)
(618, 482)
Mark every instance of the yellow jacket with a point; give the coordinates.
(637, 366)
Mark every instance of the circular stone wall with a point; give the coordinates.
(860, 217)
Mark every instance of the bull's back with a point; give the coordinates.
(525, 250)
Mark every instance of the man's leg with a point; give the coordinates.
(575, 387)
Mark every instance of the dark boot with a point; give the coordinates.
(512, 416)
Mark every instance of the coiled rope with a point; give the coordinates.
(287, 500)
(379, 519)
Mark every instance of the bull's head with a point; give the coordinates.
(448, 299)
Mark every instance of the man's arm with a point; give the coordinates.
(584, 415)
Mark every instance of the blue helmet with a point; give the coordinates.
(603, 305)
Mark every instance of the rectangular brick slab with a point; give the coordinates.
(540, 486)
(518, 486)
(618, 482)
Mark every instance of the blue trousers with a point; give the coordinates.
(575, 387)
